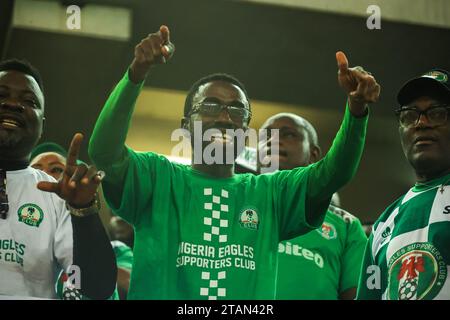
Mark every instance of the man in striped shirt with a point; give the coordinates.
(408, 253)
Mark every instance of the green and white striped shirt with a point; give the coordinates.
(408, 254)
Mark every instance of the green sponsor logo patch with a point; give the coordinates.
(30, 214)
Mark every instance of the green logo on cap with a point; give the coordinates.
(437, 75)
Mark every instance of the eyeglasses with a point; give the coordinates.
(409, 117)
(4, 206)
(236, 114)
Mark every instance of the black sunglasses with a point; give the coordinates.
(409, 116)
(215, 108)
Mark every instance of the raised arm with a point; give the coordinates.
(342, 160)
(107, 144)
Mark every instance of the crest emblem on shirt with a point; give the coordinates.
(249, 219)
(30, 214)
(328, 231)
(416, 272)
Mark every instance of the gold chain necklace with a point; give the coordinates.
(441, 189)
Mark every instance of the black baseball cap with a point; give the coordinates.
(435, 82)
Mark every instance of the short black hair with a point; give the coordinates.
(24, 67)
(210, 78)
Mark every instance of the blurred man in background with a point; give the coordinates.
(324, 263)
(121, 230)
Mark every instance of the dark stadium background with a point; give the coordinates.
(284, 55)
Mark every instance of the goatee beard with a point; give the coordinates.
(8, 140)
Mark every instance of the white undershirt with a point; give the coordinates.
(36, 246)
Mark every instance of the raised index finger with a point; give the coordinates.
(342, 62)
(74, 150)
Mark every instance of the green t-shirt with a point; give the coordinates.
(408, 254)
(322, 263)
(197, 237)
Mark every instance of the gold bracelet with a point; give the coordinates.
(88, 211)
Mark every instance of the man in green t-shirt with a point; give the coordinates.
(408, 253)
(201, 231)
(324, 263)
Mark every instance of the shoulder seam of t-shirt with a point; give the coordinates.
(346, 216)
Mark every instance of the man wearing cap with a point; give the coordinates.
(408, 253)
(45, 225)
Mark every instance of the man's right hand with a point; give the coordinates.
(359, 84)
(155, 49)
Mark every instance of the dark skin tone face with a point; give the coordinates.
(21, 115)
(295, 150)
(295, 147)
(426, 146)
(224, 93)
